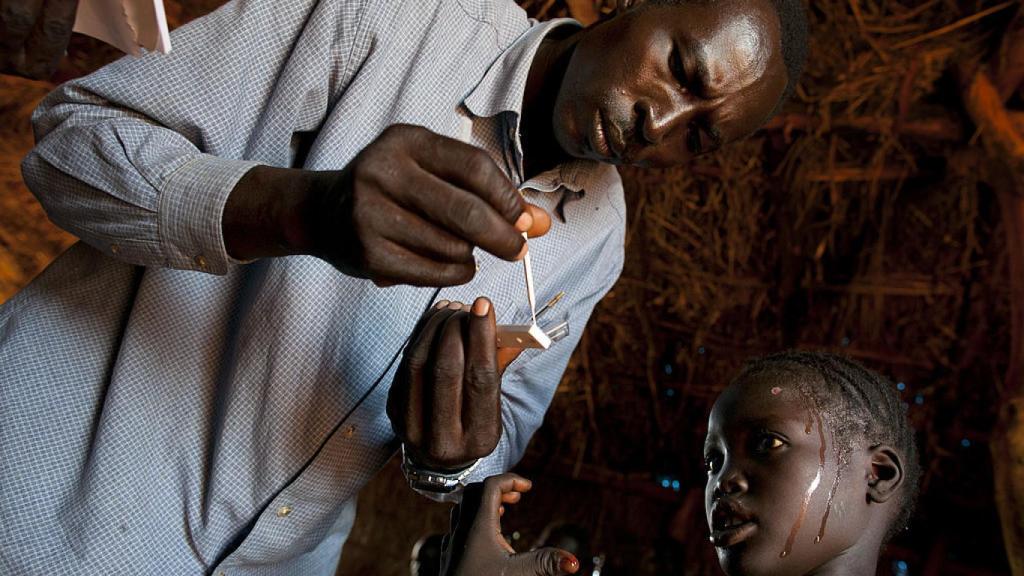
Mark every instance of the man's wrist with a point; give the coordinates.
(430, 479)
(271, 210)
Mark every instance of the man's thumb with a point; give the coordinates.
(544, 562)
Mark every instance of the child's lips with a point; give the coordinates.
(733, 534)
(731, 524)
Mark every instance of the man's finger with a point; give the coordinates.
(544, 562)
(394, 264)
(541, 221)
(481, 409)
(414, 363)
(464, 214)
(472, 169)
(444, 419)
(416, 234)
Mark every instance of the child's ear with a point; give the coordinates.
(885, 473)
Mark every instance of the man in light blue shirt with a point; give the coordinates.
(199, 386)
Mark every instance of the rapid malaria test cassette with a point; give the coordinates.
(530, 335)
(522, 336)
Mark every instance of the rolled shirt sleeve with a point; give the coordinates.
(139, 158)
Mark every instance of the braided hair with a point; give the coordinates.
(862, 405)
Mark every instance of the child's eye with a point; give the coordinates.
(769, 442)
(711, 464)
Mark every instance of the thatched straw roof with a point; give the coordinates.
(862, 220)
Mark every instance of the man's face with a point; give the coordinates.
(775, 485)
(659, 84)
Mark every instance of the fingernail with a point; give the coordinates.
(455, 306)
(569, 564)
(523, 251)
(481, 307)
(524, 222)
(441, 304)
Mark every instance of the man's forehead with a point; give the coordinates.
(737, 54)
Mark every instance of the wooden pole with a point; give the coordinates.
(1005, 144)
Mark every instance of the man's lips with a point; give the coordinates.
(605, 139)
(599, 137)
(613, 135)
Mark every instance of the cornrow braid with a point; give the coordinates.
(862, 405)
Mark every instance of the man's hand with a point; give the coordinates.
(475, 545)
(34, 35)
(445, 401)
(410, 208)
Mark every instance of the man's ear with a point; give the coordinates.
(885, 473)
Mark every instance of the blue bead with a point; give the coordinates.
(901, 386)
(965, 443)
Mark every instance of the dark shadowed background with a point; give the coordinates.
(871, 219)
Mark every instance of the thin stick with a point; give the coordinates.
(954, 25)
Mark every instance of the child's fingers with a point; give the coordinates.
(506, 356)
(511, 497)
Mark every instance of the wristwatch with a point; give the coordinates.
(432, 480)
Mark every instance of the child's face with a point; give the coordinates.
(772, 465)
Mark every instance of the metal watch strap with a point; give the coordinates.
(432, 480)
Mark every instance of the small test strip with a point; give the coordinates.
(525, 336)
(529, 285)
(532, 335)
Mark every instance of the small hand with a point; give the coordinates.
(410, 208)
(34, 35)
(476, 546)
(445, 401)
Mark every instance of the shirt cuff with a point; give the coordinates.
(191, 211)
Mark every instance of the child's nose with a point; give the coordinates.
(731, 481)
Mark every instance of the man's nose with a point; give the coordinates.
(661, 118)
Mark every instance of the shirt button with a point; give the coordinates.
(284, 511)
(201, 262)
(114, 248)
(350, 431)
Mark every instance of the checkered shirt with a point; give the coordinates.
(167, 410)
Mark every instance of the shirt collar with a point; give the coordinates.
(501, 91)
(502, 87)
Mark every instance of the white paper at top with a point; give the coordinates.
(127, 25)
